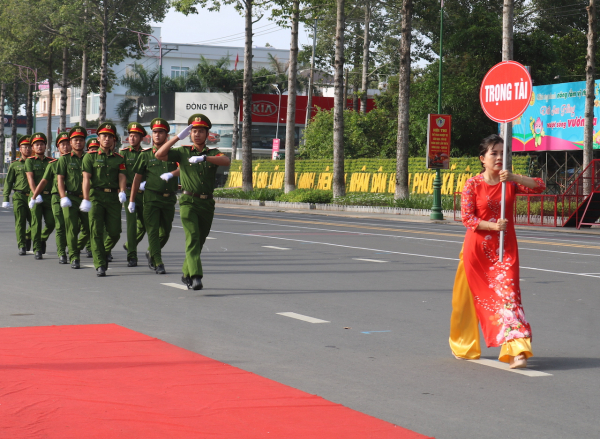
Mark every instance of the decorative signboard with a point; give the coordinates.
(438, 141)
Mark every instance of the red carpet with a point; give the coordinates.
(106, 381)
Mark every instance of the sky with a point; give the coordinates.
(224, 28)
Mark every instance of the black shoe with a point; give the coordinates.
(150, 264)
(38, 255)
(43, 247)
(160, 269)
(28, 244)
(63, 260)
(101, 271)
(109, 257)
(187, 281)
(75, 264)
(22, 251)
(132, 262)
(88, 253)
(196, 283)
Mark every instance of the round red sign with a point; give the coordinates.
(505, 91)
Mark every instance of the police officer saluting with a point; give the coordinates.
(104, 184)
(41, 205)
(198, 165)
(16, 181)
(135, 220)
(70, 180)
(160, 195)
(64, 147)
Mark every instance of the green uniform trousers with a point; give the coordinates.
(135, 225)
(59, 222)
(105, 218)
(39, 212)
(158, 217)
(77, 228)
(196, 218)
(22, 217)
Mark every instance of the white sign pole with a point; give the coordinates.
(503, 201)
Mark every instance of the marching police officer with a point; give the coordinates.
(41, 205)
(16, 181)
(64, 147)
(160, 195)
(135, 219)
(104, 184)
(69, 175)
(198, 165)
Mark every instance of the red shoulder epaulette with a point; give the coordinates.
(115, 153)
(32, 157)
(52, 161)
(92, 152)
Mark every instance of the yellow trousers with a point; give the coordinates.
(464, 325)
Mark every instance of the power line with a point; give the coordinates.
(233, 35)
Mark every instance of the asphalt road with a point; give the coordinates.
(383, 288)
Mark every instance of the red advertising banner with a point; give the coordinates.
(438, 141)
(265, 110)
(275, 149)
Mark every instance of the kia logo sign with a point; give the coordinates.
(263, 108)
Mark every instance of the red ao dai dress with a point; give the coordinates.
(487, 291)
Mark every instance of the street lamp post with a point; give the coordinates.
(311, 77)
(436, 208)
(160, 56)
(278, 110)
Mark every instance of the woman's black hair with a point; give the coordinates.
(488, 143)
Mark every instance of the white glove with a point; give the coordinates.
(131, 207)
(6, 205)
(186, 132)
(122, 197)
(143, 186)
(85, 206)
(166, 176)
(65, 202)
(39, 199)
(197, 159)
(31, 203)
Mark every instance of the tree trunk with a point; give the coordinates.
(339, 104)
(403, 103)
(15, 112)
(84, 89)
(507, 55)
(365, 60)
(590, 70)
(49, 120)
(290, 128)
(29, 110)
(62, 125)
(104, 68)
(2, 143)
(236, 123)
(247, 117)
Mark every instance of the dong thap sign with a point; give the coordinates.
(505, 91)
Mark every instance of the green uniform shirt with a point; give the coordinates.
(50, 177)
(195, 177)
(152, 168)
(70, 167)
(38, 167)
(131, 156)
(16, 178)
(104, 168)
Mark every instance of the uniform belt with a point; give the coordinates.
(164, 194)
(139, 190)
(75, 194)
(106, 189)
(201, 196)
(45, 192)
(22, 192)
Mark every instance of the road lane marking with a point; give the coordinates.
(91, 266)
(274, 248)
(302, 317)
(408, 237)
(372, 332)
(504, 366)
(174, 285)
(369, 260)
(391, 252)
(210, 237)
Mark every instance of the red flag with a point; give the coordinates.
(237, 58)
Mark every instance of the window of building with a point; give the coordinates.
(177, 71)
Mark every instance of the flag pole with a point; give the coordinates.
(503, 200)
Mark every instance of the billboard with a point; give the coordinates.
(554, 119)
(218, 107)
